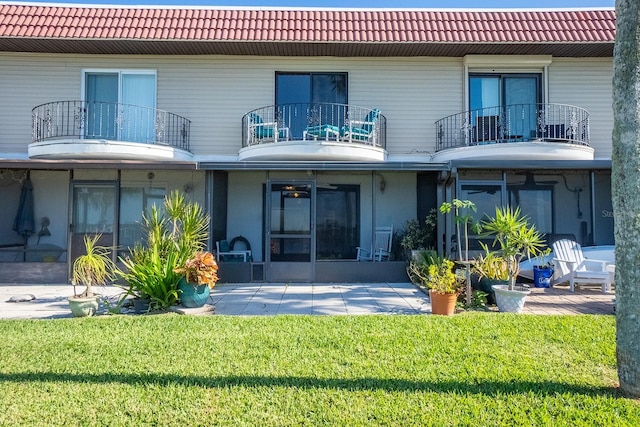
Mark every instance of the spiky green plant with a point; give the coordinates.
(491, 265)
(514, 236)
(94, 268)
(173, 234)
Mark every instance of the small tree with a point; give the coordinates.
(515, 237)
(465, 221)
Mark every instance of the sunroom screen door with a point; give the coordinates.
(290, 232)
(93, 211)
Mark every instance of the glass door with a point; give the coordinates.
(290, 231)
(310, 99)
(504, 106)
(120, 105)
(93, 211)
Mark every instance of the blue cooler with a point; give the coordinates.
(542, 276)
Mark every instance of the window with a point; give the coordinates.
(133, 202)
(303, 99)
(486, 195)
(536, 204)
(337, 229)
(504, 106)
(120, 105)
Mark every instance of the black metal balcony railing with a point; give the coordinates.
(514, 123)
(110, 121)
(314, 122)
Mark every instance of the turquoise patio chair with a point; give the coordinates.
(259, 130)
(362, 130)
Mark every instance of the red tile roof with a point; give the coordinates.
(261, 31)
(306, 25)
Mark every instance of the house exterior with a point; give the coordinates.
(299, 130)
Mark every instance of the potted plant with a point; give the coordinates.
(490, 269)
(172, 235)
(515, 239)
(463, 223)
(200, 276)
(542, 270)
(435, 273)
(419, 235)
(94, 268)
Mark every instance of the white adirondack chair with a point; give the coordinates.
(381, 249)
(571, 265)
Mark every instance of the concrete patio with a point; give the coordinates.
(263, 299)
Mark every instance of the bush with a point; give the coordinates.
(434, 272)
(172, 237)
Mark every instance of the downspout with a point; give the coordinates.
(445, 222)
(592, 189)
(373, 212)
(441, 231)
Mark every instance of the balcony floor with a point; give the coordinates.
(315, 150)
(539, 150)
(101, 149)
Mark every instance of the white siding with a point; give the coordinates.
(586, 83)
(214, 92)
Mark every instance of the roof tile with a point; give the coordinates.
(319, 25)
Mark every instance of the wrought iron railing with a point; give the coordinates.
(109, 121)
(514, 123)
(314, 122)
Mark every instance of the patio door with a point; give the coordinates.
(505, 105)
(93, 211)
(290, 236)
(311, 98)
(120, 105)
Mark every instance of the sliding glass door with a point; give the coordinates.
(504, 106)
(120, 105)
(311, 92)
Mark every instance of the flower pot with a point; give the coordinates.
(510, 301)
(485, 285)
(542, 276)
(141, 305)
(191, 295)
(443, 304)
(83, 307)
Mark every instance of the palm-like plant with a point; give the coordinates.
(465, 221)
(173, 234)
(95, 267)
(515, 237)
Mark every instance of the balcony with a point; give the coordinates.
(319, 131)
(106, 130)
(513, 132)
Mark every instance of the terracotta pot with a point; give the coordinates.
(443, 304)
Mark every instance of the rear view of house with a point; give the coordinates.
(301, 131)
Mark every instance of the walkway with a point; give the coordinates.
(260, 299)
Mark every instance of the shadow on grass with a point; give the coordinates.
(352, 384)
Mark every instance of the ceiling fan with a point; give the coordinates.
(530, 182)
(326, 186)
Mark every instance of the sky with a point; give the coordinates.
(448, 4)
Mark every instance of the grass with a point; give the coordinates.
(478, 369)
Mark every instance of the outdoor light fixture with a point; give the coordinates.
(383, 183)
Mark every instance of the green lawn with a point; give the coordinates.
(477, 369)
